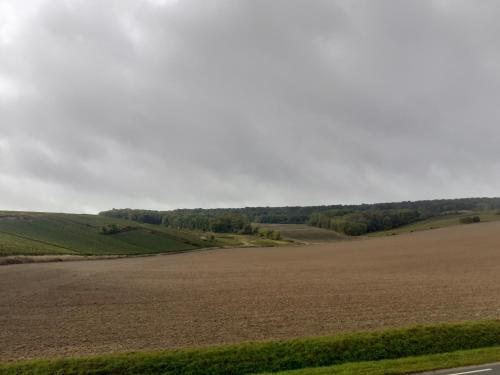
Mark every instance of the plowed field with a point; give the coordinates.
(232, 295)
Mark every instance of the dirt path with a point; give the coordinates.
(231, 295)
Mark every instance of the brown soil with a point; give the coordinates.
(232, 295)
(23, 259)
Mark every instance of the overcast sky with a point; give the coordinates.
(167, 104)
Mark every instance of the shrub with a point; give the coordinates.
(269, 234)
(263, 232)
(276, 235)
(470, 219)
(114, 228)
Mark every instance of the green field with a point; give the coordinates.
(437, 222)
(393, 351)
(27, 233)
(36, 233)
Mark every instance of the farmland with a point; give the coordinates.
(42, 234)
(27, 233)
(233, 295)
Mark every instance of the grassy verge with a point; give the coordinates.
(406, 365)
(251, 358)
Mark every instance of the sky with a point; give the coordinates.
(163, 104)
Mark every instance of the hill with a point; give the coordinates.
(353, 220)
(33, 233)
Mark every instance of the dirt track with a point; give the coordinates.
(231, 295)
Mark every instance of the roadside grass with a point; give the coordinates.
(437, 222)
(406, 365)
(261, 357)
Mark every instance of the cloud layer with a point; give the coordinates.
(167, 104)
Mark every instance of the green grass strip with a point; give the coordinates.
(407, 365)
(259, 357)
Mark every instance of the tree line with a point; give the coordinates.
(349, 219)
(223, 222)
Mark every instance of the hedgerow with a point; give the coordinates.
(248, 358)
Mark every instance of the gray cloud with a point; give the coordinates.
(166, 104)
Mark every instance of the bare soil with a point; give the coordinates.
(233, 295)
(23, 259)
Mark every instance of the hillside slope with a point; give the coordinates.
(442, 221)
(33, 233)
